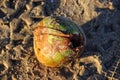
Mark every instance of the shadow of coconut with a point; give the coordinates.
(50, 6)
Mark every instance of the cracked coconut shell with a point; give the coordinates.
(57, 40)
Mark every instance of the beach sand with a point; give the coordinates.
(100, 20)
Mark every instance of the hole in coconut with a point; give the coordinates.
(38, 49)
(76, 40)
